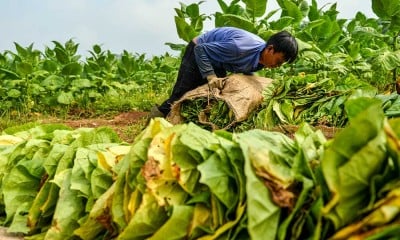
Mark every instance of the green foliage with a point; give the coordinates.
(188, 30)
(57, 80)
(388, 10)
(327, 43)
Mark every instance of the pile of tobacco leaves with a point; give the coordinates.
(185, 182)
(317, 100)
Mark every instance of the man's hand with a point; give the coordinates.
(216, 82)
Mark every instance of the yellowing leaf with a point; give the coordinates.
(108, 159)
(119, 150)
(10, 140)
(134, 201)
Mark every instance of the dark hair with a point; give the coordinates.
(285, 43)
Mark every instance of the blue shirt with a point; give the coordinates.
(232, 49)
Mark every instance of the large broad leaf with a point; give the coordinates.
(215, 173)
(81, 83)
(8, 74)
(65, 98)
(331, 41)
(185, 31)
(177, 226)
(53, 82)
(40, 209)
(265, 152)
(14, 93)
(236, 159)
(19, 186)
(292, 10)
(147, 220)
(356, 106)
(24, 68)
(128, 170)
(388, 60)
(389, 10)
(61, 54)
(380, 223)
(281, 23)
(356, 154)
(386, 8)
(50, 65)
(69, 209)
(73, 68)
(239, 22)
(99, 217)
(193, 10)
(256, 8)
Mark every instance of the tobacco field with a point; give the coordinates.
(251, 180)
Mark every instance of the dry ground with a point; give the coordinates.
(127, 125)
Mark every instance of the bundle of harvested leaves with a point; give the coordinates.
(206, 111)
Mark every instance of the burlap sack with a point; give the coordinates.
(242, 93)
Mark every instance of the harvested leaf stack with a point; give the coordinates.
(184, 182)
(311, 99)
(52, 176)
(220, 109)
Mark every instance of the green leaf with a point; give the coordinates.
(388, 60)
(149, 217)
(185, 31)
(69, 209)
(24, 68)
(21, 51)
(91, 227)
(281, 23)
(97, 49)
(269, 152)
(331, 40)
(73, 68)
(293, 11)
(81, 83)
(193, 10)
(61, 54)
(354, 107)
(239, 22)
(360, 144)
(216, 174)
(386, 8)
(256, 8)
(20, 185)
(9, 74)
(178, 224)
(14, 93)
(50, 65)
(53, 82)
(65, 98)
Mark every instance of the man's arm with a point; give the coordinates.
(206, 68)
(203, 62)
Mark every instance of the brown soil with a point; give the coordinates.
(126, 124)
(121, 120)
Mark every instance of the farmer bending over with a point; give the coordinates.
(209, 57)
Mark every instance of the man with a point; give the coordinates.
(209, 57)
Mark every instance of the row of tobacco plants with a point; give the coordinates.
(58, 80)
